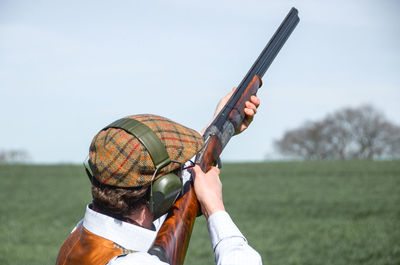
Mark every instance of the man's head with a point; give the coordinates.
(124, 165)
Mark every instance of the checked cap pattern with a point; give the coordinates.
(119, 159)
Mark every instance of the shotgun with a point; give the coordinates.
(173, 237)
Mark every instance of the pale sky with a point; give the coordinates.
(69, 68)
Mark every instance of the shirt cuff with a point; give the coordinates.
(220, 226)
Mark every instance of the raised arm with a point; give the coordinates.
(228, 243)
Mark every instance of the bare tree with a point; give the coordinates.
(350, 133)
(13, 156)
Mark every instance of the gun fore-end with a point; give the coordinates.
(237, 115)
(217, 137)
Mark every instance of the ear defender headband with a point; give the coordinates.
(164, 191)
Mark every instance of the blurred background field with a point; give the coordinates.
(290, 212)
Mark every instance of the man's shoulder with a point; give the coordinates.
(142, 258)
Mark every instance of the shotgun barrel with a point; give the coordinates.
(259, 67)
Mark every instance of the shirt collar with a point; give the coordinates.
(126, 235)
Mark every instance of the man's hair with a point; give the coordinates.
(118, 202)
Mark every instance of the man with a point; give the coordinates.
(122, 222)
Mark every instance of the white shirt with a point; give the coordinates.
(228, 243)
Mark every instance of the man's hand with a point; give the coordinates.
(250, 110)
(208, 188)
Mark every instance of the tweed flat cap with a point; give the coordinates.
(119, 159)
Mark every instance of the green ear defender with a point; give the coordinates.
(164, 191)
(163, 194)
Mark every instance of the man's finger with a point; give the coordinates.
(251, 106)
(255, 100)
(216, 169)
(249, 113)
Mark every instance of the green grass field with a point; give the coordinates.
(290, 212)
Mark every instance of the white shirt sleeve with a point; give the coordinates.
(141, 258)
(228, 243)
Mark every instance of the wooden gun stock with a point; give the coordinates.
(173, 238)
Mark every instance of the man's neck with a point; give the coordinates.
(140, 217)
(143, 217)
